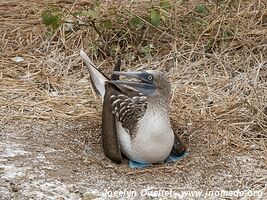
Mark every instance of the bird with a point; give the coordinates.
(135, 116)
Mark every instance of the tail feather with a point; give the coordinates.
(117, 67)
(97, 78)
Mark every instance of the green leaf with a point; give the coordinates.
(154, 17)
(201, 9)
(165, 5)
(227, 33)
(51, 18)
(106, 24)
(136, 23)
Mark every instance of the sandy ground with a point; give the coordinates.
(64, 160)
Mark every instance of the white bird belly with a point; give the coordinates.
(153, 142)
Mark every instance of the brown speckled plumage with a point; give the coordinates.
(129, 110)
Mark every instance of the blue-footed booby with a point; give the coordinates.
(135, 116)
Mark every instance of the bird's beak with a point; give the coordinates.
(143, 85)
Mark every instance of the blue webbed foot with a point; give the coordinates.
(174, 158)
(171, 158)
(137, 165)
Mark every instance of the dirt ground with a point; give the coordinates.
(61, 160)
(50, 122)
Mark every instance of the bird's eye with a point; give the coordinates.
(150, 78)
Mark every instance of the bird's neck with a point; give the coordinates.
(159, 104)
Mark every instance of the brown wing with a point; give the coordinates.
(109, 131)
(129, 110)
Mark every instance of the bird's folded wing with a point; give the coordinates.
(128, 110)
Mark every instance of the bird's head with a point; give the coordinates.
(151, 82)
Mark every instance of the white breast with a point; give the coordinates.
(153, 142)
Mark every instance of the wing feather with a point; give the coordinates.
(97, 78)
(129, 110)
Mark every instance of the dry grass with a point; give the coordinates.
(219, 81)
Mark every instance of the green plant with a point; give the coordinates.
(202, 10)
(227, 32)
(51, 18)
(119, 30)
(136, 23)
(159, 13)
